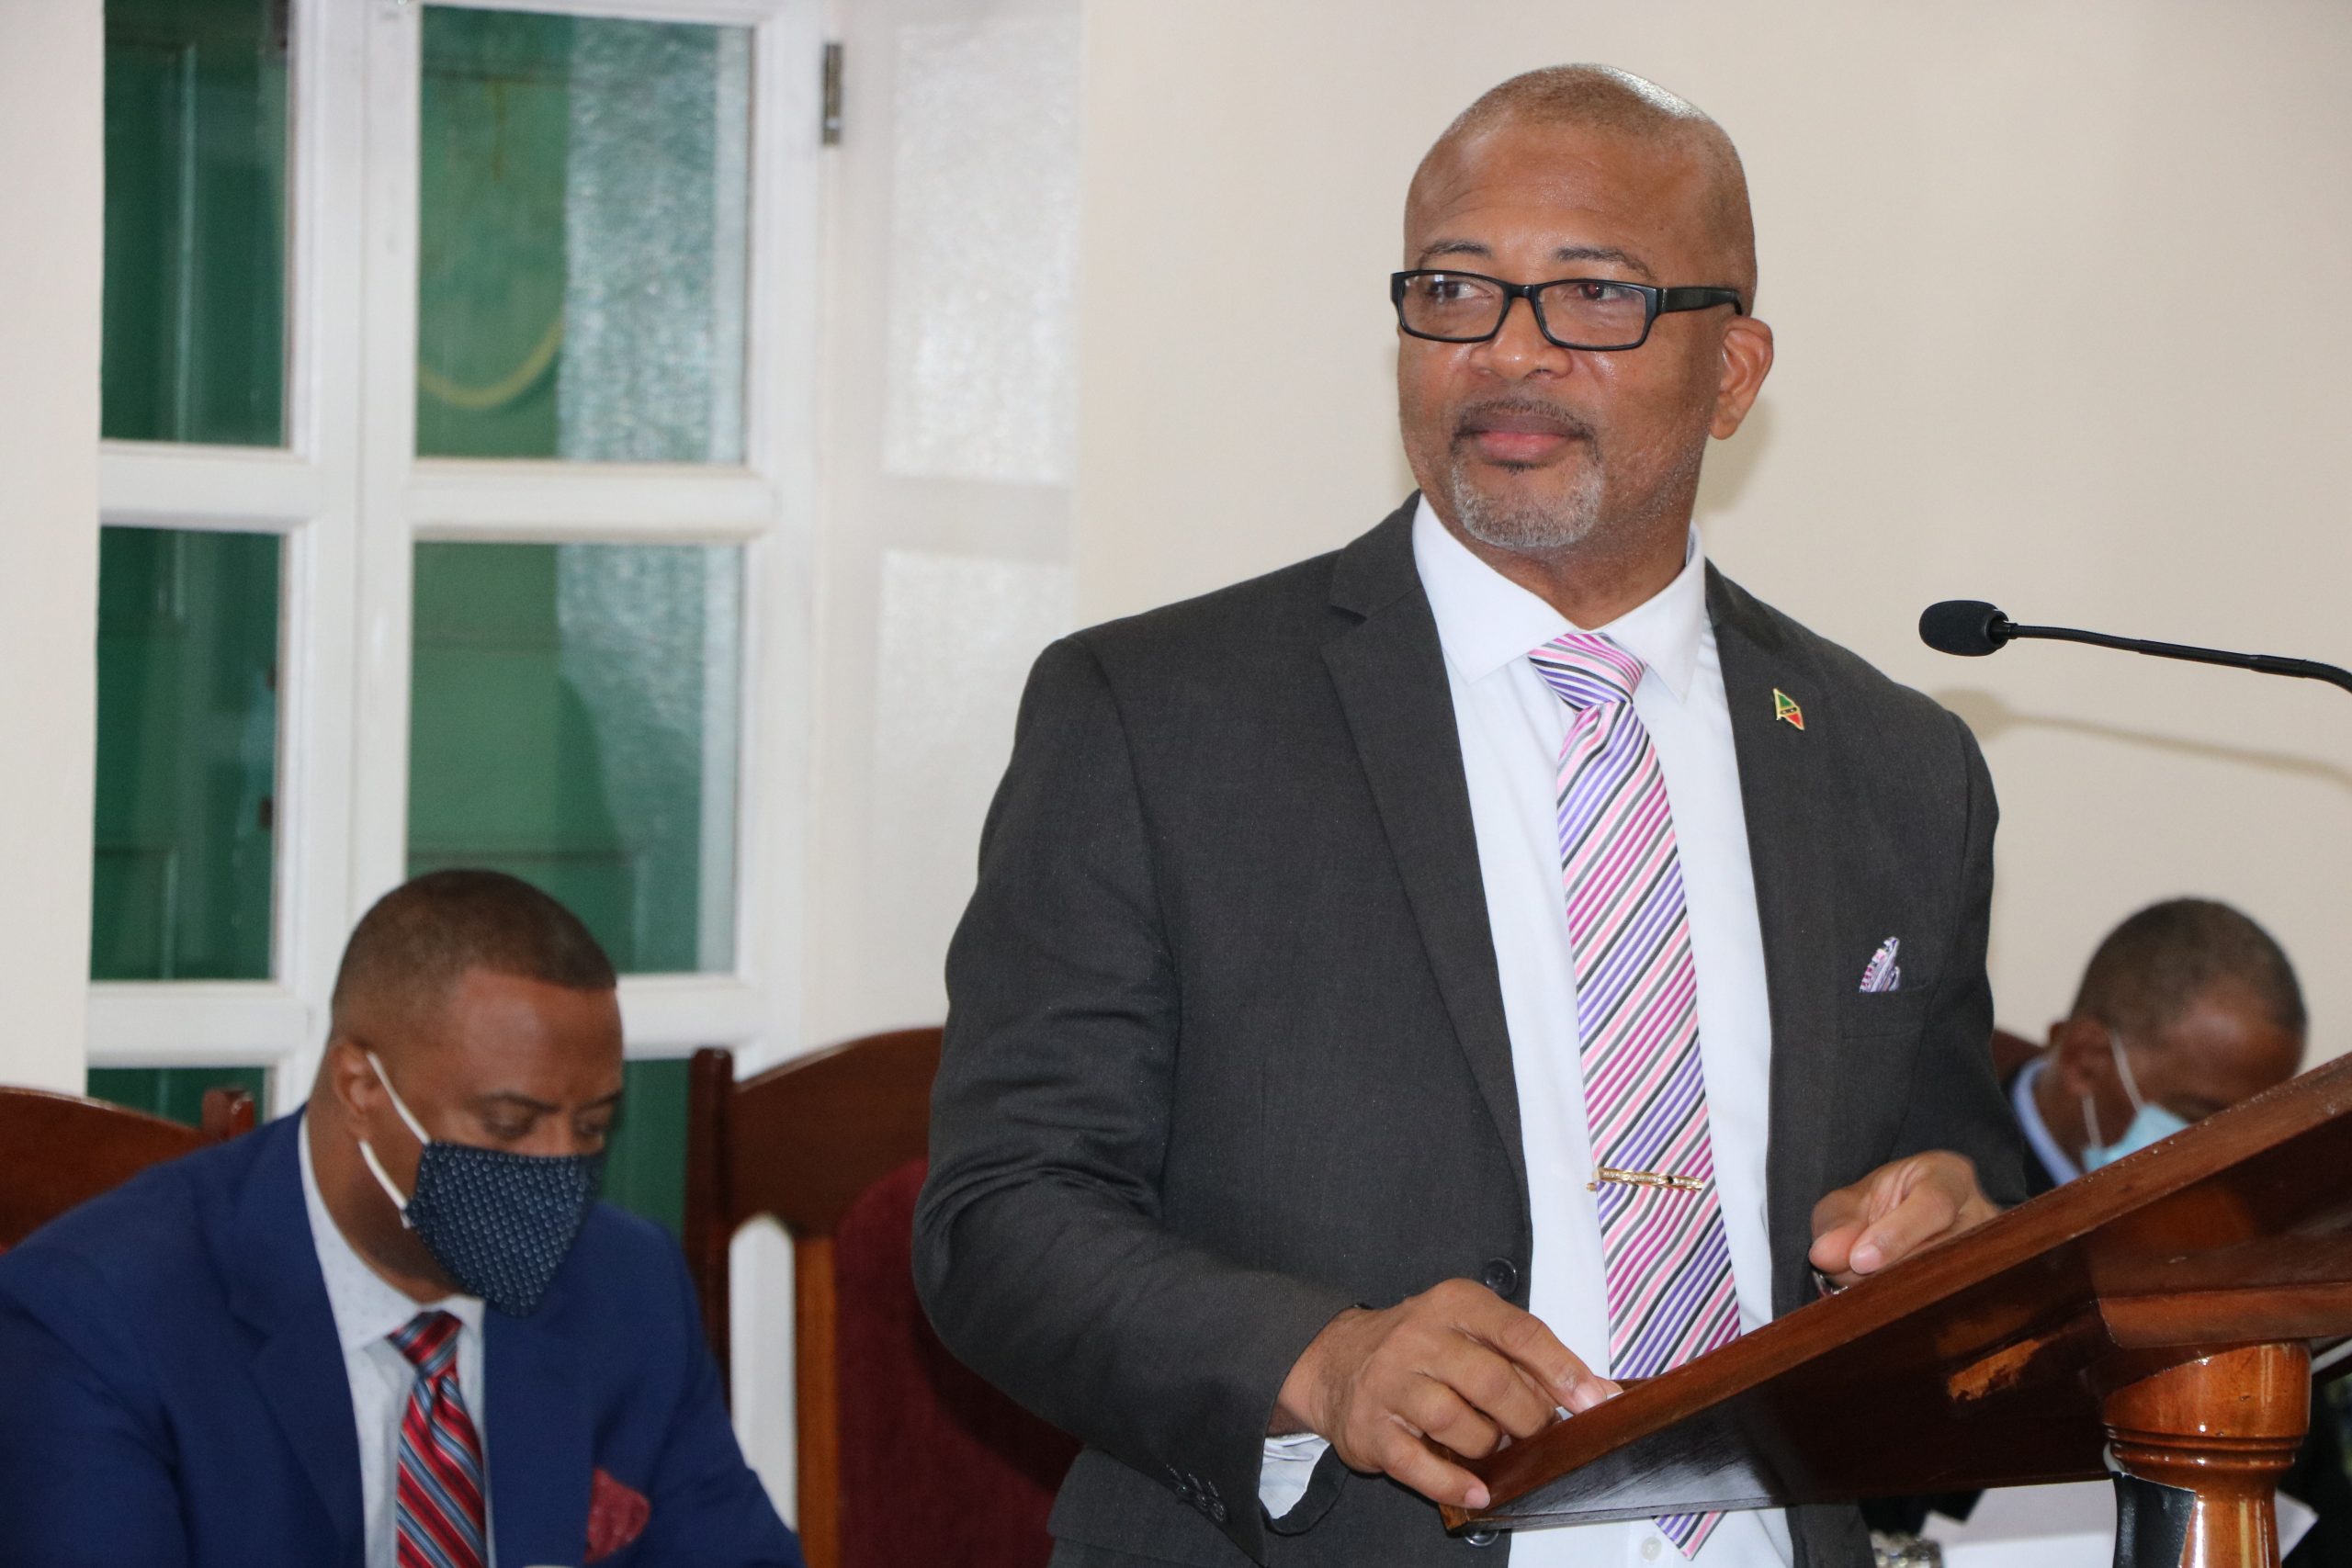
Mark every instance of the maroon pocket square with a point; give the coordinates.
(616, 1515)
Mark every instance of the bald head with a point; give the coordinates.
(1569, 462)
(1640, 117)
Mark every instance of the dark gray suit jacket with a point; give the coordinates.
(1226, 1051)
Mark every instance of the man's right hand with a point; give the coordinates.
(1451, 1372)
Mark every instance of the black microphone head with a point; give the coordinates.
(1969, 628)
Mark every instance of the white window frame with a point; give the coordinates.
(351, 500)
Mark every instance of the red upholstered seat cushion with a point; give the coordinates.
(937, 1467)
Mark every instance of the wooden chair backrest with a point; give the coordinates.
(829, 1126)
(58, 1150)
(2011, 1052)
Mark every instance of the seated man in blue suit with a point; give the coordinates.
(396, 1329)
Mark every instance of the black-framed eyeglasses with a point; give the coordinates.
(1595, 314)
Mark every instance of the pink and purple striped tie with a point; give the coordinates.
(441, 1512)
(1670, 1296)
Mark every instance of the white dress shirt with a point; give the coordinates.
(368, 1311)
(1512, 726)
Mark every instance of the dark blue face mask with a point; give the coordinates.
(498, 1224)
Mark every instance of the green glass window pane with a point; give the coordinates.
(645, 1159)
(188, 755)
(580, 280)
(572, 721)
(195, 335)
(178, 1092)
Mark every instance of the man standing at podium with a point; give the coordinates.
(1408, 991)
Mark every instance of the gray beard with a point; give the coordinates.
(1525, 528)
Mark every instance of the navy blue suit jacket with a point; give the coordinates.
(172, 1394)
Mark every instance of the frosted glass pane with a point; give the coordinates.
(572, 721)
(188, 755)
(583, 189)
(984, 242)
(195, 339)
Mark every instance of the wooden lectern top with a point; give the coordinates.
(1982, 1362)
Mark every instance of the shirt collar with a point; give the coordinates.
(367, 1307)
(1484, 620)
(2037, 1132)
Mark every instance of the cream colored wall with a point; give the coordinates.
(2059, 291)
(51, 127)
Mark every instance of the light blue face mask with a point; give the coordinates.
(2149, 1122)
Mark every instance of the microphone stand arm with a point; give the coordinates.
(2269, 663)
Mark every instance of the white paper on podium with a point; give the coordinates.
(2068, 1525)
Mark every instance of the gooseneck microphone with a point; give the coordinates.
(1971, 629)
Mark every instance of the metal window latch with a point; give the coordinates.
(829, 123)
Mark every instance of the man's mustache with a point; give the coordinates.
(1520, 416)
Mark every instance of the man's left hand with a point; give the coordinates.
(1895, 1210)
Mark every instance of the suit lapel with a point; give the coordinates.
(1784, 785)
(277, 1288)
(539, 1459)
(1390, 674)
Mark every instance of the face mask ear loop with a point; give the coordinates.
(368, 1152)
(376, 1168)
(2123, 1067)
(413, 1124)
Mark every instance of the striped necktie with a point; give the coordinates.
(1668, 1264)
(440, 1513)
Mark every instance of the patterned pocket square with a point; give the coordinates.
(1883, 974)
(616, 1515)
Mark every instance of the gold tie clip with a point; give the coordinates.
(1602, 1173)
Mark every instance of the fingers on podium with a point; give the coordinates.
(1450, 1417)
(1412, 1460)
(1502, 1391)
(1523, 1336)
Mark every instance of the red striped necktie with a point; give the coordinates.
(1669, 1263)
(440, 1514)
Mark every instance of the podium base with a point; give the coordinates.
(2200, 1447)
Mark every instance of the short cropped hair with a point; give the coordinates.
(409, 950)
(2155, 966)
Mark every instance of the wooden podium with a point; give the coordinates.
(2159, 1312)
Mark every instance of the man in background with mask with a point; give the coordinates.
(2185, 1008)
(396, 1330)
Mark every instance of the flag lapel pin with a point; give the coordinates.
(1785, 709)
